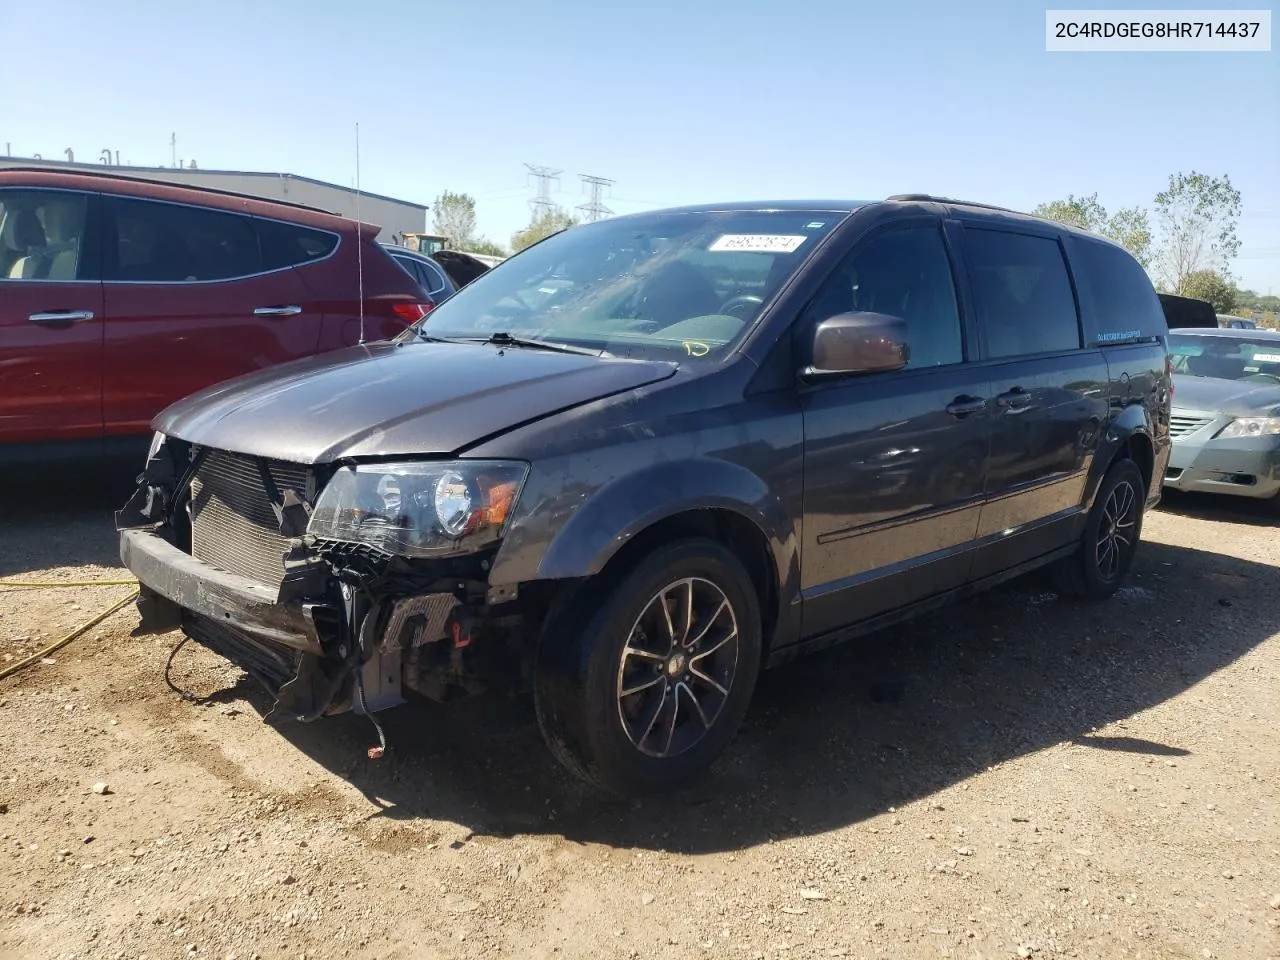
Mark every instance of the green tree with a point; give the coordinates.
(485, 247)
(1212, 286)
(1083, 212)
(1129, 226)
(1251, 300)
(1197, 215)
(543, 225)
(455, 218)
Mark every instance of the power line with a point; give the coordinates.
(542, 203)
(595, 208)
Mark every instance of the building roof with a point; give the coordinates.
(143, 172)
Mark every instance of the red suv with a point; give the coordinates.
(119, 296)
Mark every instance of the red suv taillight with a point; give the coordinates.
(412, 312)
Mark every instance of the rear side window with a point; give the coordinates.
(42, 235)
(1023, 292)
(173, 243)
(433, 278)
(288, 245)
(1125, 304)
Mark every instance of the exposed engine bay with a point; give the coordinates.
(226, 550)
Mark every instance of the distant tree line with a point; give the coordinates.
(1187, 242)
(455, 218)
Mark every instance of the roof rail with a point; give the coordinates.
(929, 198)
(170, 183)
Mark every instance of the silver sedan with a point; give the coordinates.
(1225, 421)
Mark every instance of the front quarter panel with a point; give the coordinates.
(602, 475)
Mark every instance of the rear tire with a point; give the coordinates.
(1111, 536)
(637, 696)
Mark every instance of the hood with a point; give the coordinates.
(389, 399)
(1211, 395)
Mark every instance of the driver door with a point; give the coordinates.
(894, 463)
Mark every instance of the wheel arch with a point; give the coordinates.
(623, 519)
(1127, 437)
(728, 527)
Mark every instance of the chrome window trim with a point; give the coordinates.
(195, 206)
(431, 267)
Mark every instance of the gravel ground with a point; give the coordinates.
(1013, 777)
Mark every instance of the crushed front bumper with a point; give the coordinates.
(233, 601)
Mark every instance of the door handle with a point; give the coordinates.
(965, 406)
(289, 311)
(61, 316)
(1015, 399)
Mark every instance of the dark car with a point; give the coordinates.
(433, 277)
(1225, 422)
(1187, 312)
(442, 273)
(1233, 322)
(648, 456)
(120, 295)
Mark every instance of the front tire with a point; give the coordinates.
(1111, 535)
(645, 690)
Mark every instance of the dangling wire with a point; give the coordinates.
(375, 753)
(185, 695)
(357, 634)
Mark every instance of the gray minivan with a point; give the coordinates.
(646, 457)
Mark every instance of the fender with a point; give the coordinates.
(607, 518)
(1132, 420)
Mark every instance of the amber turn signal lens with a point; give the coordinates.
(498, 500)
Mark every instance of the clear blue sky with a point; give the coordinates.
(678, 102)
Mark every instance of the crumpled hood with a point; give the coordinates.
(1232, 397)
(387, 399)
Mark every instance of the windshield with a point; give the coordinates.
(663, 285)
(1226, 358)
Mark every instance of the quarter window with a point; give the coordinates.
(1024, 295)
(1124, 301)
(41, 234)
(171, 243)
(289, 245)
(433, 279)
(904, 273)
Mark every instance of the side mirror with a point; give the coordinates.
(850, 343)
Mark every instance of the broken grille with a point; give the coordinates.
(233, 526)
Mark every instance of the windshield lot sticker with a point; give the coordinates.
(696, 348)
(1266, 357)
(757, 243)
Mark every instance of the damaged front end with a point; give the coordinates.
(335, 586)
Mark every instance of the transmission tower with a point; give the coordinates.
(542, 203)
(595, 209)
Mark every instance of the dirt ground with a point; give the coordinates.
(1013, 777)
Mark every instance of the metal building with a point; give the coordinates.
(396, 217)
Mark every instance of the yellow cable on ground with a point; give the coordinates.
(68, 583)
(89, 625)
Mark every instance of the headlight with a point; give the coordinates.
(419, 509)
(157, 441)
(1251, 427)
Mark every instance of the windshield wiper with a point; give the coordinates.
(504, 339)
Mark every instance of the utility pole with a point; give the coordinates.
(595, 209)
(173, 145)
(542, 203)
